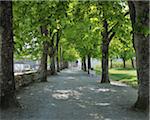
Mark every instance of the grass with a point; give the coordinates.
(124, 75)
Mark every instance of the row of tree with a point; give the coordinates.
(100, 30)
(33, 36)
(66, 30)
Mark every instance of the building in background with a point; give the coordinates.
(25, 65)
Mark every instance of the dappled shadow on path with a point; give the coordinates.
(74, 95)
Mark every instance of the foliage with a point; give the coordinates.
(29, 16)
(80, 23)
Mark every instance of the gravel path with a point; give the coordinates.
(73, 95)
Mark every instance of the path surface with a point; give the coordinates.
(73, 95)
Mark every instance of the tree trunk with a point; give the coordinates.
(7, 82)
(61, 58)
(43, 66)
(111, 63)
(132, 63)
(57, 61)
(105, 74)
(89, 63)
(52, 54)
(124, 62)
(141, 43)
(57, 58)
(132, 17)
(52, 66)
(84, 64)
(105, 47)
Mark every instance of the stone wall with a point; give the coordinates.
(26, 78)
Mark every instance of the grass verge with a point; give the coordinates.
(124, 75)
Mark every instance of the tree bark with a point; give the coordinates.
(141, 43)
(82, 67)
(52, 51)
(105, 46)
(124, 62)
(132, 63)
(7, 82)
(57, 55)
(61, 58)
(43, 65)
(57, 61)
(84, 64)
(89, 63)
(52, 65)
(132, 17)
(105, 74)
(111, 63)
(107, 37)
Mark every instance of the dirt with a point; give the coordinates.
(74, 95)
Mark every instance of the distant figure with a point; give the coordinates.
(77, 63)
(92, 72)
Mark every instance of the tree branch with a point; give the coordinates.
(126, 13)
(112, 28)
(117, 24)
(111, 36)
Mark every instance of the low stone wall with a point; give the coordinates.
(24, 79)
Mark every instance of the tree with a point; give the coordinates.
(31, 34)
(57, 50)
(35, 35)
(43, 64)
(139, 14)
(89, 62)
(7, 82)
(122, 46)
(52, 56)
(126, 50)
(105, 47)
(82, 32)
(111, 26)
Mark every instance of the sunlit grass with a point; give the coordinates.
(125, 75)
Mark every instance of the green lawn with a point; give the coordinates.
(125, 75)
